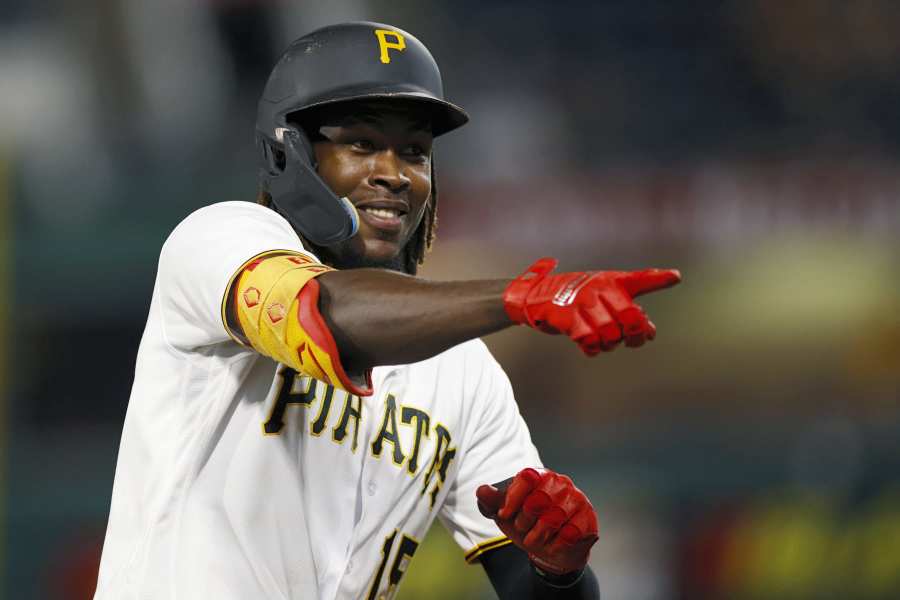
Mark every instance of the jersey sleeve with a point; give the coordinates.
(202, 255)
(499, 447)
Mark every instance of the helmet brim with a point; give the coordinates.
(445, 116)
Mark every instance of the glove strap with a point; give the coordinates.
(517, 291)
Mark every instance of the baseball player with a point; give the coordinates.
(303, 406)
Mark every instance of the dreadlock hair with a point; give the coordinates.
(423, 237)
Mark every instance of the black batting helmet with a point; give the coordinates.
(336, 64)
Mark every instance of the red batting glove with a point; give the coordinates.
(594, 308)
(543, 513)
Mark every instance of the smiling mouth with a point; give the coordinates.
(385, 219)
(383, 213)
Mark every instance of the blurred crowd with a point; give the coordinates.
(751, 452)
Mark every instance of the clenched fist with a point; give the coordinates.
(543, 513)
(594, 308)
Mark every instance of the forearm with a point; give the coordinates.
(380, 317)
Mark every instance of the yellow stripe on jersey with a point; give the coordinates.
(492, 544)
(273, 307)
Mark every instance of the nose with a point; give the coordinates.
(387, 172)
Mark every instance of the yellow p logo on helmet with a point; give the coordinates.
(384, 45)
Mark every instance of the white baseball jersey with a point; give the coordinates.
(237, 478)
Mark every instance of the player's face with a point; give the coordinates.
(380, 158)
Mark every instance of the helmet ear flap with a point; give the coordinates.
(288, 175)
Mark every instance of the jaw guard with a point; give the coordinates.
(301, 196)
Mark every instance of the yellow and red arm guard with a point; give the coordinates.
(272, 305)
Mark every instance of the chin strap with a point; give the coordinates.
(302, 197)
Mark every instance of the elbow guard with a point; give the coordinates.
(272, 305)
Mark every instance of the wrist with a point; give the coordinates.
(558, 580)
(497, 293)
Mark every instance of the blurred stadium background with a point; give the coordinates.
(752, 452)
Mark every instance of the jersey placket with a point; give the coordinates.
(365, 490)
(369, 494)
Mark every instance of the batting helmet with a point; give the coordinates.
(336, 64)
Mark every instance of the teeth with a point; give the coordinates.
(385, 213)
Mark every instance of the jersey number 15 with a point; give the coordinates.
(405, 551)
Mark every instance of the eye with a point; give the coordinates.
(415, 152)
(363, 145)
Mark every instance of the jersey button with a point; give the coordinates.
(372, 487)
